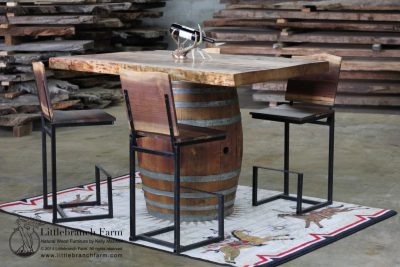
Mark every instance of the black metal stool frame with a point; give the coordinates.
(176, 155)
(330, 122)
(48, 128)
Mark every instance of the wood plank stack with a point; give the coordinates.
(366, 33)
(32, 30)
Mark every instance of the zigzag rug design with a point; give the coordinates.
(267, 235)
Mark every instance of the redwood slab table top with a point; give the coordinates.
(205, 95)
(223, 70)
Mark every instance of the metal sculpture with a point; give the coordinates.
(181, 51)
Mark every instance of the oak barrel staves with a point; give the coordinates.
(213, 167)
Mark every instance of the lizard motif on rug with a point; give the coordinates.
(240, 239)
(317, 216)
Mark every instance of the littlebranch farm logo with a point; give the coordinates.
(30, 237)
(25, 241)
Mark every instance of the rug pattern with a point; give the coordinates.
(266, 235)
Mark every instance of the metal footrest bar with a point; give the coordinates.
(148, 236)
(73, 205)
(294, 198)
(65, 218)
(201, 244)
(159, 231)
(317, 206)
(298, 198)
(156, 241)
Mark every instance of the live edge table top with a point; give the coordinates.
(224, 70)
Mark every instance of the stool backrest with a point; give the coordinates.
(146, 100)
(42, 91)
(316, 89)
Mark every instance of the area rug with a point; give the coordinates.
(267, 235)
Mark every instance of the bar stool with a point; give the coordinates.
(311, 100)
(53, 119)
(151, 114)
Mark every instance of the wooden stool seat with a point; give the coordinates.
(82, 117)
(292, 113)
(189, 134)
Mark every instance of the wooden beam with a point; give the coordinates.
(348, 87)
(11, 95)
(325, 15)
(28, 58)
(11, 40)
(12, 120)
(333, 5)
(370, 75)
(23, 130)
(338, 37)
(341, 99)
(371, 65)
(307, 49)
(46, 46)
(130, 16)
(238, 35)
(38, 31)
(305, 24)
(61, 19)
(56, 9)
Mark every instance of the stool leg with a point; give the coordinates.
(132, 195)
(54, 173)
(286, 160)
(255, 186)
(177, 187)
(110, 198)
(44, 166)
(331, 155)
(97, 182)
(299, 193)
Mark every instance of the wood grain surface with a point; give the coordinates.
(317, 89)
(224, 70)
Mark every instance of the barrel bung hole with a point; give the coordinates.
(226, 150)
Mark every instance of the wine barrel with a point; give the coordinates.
(212, 167)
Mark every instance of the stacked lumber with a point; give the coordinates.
(366, 33)
(33, 30)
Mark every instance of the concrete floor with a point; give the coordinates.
(367, 167)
